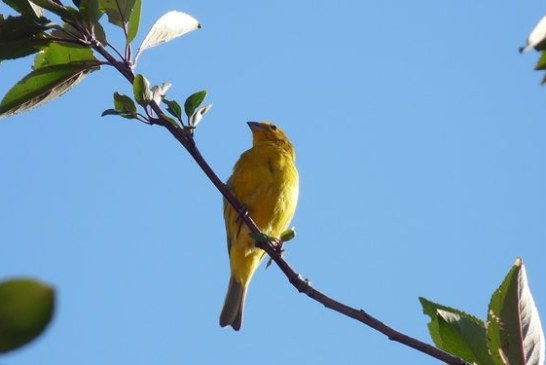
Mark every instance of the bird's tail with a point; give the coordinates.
(232, 313)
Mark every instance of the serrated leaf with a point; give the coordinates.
(193, 101)
(141, 90)
(463, 337)
(170, 26)
(431, 310)
(43, 85)
(174, 108)
(514, 330)
(26, 308)
(457, 332)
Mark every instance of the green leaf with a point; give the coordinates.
(464, 337)
(91, 14)
(65, 12)
(141, 90)
(43, 85)
(117, 112)
(110, 112)
(124, 104)
(457, 332)
(25, 7)
(171, 120)
(174, 108)
(541, 64)
(541, 46)
(193, 102)
(70, 34)
(134, 21)
(61, 54)
(431, 310)
(119, 12)
(21, 36)
(26, 308)
(18, 49)
(514, 330)
(89, 9)
(98, 32)
(22, 27)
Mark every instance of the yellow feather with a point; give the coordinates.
(265, 181)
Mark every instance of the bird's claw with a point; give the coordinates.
(242, 212)
(278, 248)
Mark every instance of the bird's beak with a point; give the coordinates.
(255, 126)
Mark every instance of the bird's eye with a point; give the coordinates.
(274, 127)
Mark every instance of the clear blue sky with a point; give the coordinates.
(420, 135)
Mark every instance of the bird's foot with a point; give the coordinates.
(242, 212)
(277, 247)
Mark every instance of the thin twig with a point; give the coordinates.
(303, 286)
(296, 280)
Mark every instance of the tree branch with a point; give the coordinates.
(185, 137)
(294, 278)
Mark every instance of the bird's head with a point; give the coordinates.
(267, 132)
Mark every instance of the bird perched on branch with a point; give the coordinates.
(265, 181)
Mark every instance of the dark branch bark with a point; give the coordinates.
(294, 278)
(186, 139)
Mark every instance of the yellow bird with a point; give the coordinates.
(265, 181)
